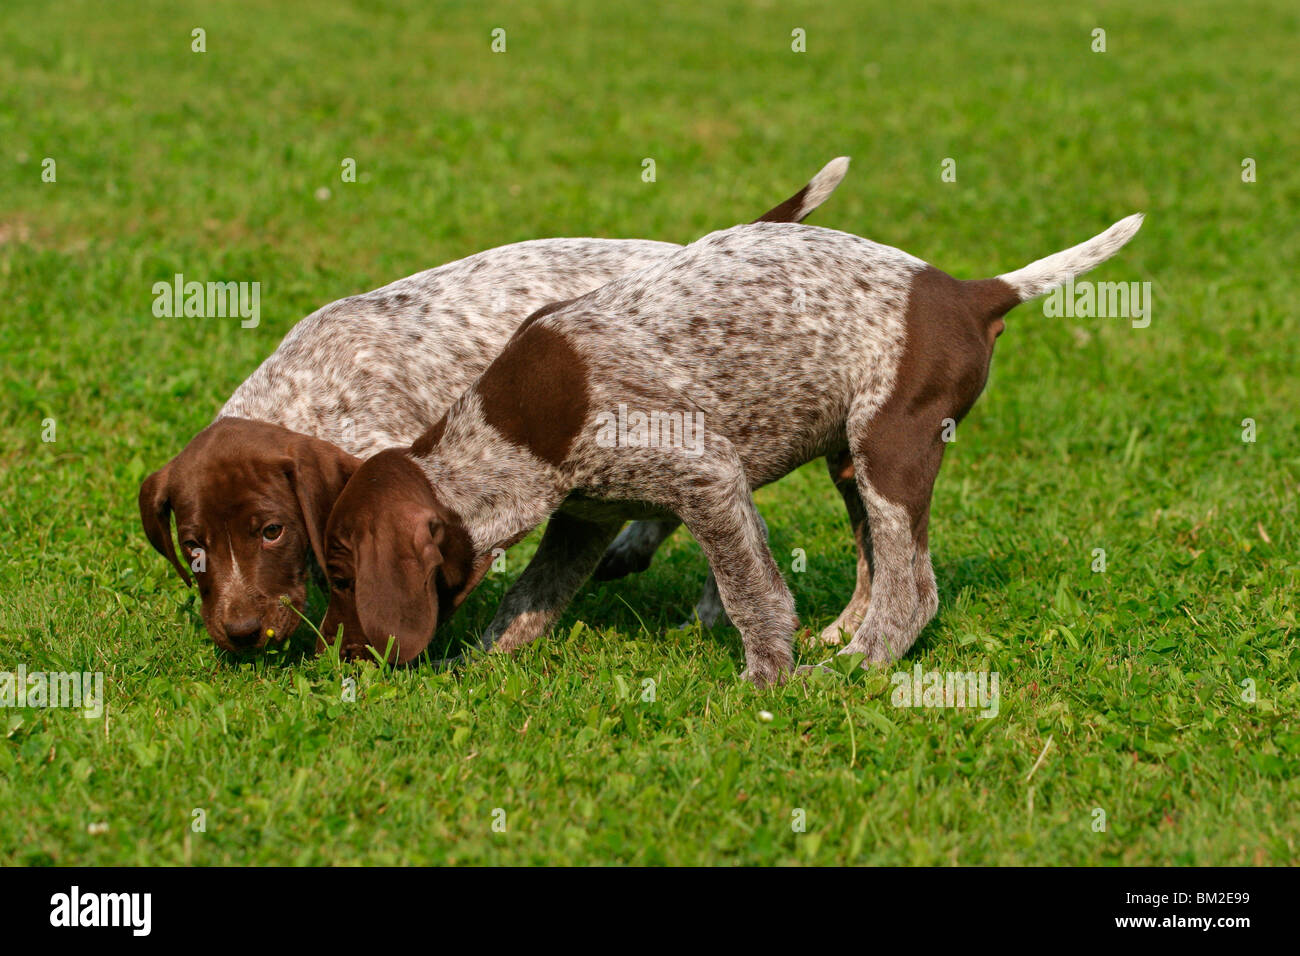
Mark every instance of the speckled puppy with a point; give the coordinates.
(785, 342)
(251, 492)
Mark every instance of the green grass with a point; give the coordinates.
(1092, 434)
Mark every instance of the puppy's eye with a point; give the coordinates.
(340, 584)
(191, 546)
(272, 532)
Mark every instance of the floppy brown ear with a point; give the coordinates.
(156, 516)
(318, 472)
(398, 598)
(461, 570)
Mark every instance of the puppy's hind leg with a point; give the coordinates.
(895, 471)
(841, 471)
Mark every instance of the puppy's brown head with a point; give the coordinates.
(250, 502)
(399, 562)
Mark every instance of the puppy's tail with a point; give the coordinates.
(818, 190)
(1041, 277)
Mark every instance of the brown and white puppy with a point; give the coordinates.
(777, 344)
(251, 492)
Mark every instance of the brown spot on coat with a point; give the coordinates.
(951, 326)
(535, 392)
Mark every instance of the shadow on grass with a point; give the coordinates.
(648, 602)
(655, 602)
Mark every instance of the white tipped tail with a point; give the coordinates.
(818, 190)
(1046, 274)
(823, 184)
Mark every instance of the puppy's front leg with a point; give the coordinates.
(719, 511)
(709, 610)
(635, 546)
(569, 550)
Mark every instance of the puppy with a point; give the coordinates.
(251, 492)
(779, 343)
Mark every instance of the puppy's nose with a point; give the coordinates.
(243, 633)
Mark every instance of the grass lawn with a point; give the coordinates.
(1160, 693)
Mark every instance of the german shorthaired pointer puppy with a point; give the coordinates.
(251, 492)
(680, 389)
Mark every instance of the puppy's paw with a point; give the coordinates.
(765, 678)
(832, 636)
(768, 670)
(874, 652)
(621, 560)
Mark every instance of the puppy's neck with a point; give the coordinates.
(496, 490)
